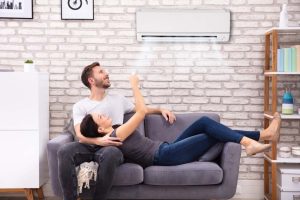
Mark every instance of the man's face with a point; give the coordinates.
(100, 78)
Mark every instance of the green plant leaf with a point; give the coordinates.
(29, 61)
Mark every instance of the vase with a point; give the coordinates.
(29, 67)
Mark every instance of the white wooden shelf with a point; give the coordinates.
(282, 73)
(291, 160)
(294, 116)
(287, 30)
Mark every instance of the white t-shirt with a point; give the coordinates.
(112, 105)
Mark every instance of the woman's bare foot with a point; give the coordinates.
(253, 147)
(257, 147)
(272, 132)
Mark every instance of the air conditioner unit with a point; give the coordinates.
(181, 25)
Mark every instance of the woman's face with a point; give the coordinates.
(102, 120)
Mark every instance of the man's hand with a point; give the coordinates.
(108, 141)
(168, 115)
(101, 141)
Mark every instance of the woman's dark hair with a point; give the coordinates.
(87, 73)
(89, 128)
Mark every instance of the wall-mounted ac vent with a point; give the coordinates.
(183, 25)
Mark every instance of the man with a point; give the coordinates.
(101, 150)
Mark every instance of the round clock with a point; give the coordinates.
(75, 4)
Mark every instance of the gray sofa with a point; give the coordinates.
(214, 177)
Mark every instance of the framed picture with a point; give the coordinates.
(16, 9)
(77, 9)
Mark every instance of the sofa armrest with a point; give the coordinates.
(52, 148)
(230, 163)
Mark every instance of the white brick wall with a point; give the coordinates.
(221, 78)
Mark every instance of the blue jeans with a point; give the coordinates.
(73, 154)
(196, 140)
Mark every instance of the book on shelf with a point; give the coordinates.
(280, 62)
(297, 47)
(288, 59)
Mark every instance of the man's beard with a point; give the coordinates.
(101, 84)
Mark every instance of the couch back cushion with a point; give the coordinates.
(157, 128)
(69, 128)
(141, 127)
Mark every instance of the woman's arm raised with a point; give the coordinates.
(129, 127)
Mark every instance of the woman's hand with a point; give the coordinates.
(134, 80)
(168, 115)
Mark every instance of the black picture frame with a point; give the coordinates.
(77, 9)
(16, 9)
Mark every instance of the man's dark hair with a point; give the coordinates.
(88, 127)
(87, 73)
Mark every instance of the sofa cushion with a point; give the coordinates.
(69, 128)
(212, 153)
(157, 128)
(195, 173)
(128, 174)
(140, 128)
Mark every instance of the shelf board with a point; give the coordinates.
(283, 160)
(294, 116)
(281, 73)
(287, 30)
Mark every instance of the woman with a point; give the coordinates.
(189, 146)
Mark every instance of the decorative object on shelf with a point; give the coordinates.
(288, 59)
(296, 151)
(287, 102)
(29, 66)
(77, 9)
(16, 9)
(284, 152)
(284, 17)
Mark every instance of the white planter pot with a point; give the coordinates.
(28, 67)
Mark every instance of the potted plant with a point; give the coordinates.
(29, 66)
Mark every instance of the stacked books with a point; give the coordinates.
(288, 59)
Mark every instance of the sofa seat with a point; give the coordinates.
(195, 173)
(128, 174)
